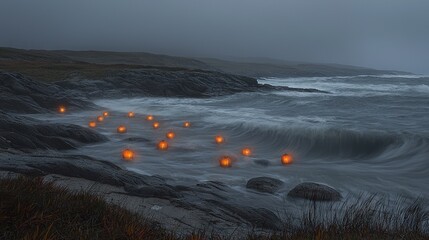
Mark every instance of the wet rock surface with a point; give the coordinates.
(211, 198)
(77, 166)
(264, 184)
(20, 94)
(179, 83)
(28, 134)
(28, 146)
(315, 192)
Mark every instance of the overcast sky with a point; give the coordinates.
(386, 34)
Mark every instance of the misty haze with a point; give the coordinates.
(198, 119)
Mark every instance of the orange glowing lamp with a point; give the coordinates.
(186, 124)
(155, 125)
(219, 139)
(131, 114)
(225, 162)
(121, 129)
(149, 117)
(128, 154)
(163, 145)
(92, 124)
(105, 114)
(286, 159)
(246, 152)
(62, 109)
(170, 135)
(100, 118)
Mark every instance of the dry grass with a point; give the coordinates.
(33, 209)
(367, 217)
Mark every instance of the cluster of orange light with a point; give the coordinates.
(219, 139)
(246, 152)
(93, 124)
(163, 145)
(131, 114)
(62, 109)
(121, 129)
(286, 159)
(128, 154)
(225, 162)
(170, 135)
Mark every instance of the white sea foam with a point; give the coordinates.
(369, 134)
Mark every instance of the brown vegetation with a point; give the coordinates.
(34, 209)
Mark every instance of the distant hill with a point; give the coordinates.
(276, 68)
(62, 64)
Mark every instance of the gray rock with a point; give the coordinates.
(211, 198)
(20, 94)
(262, 162)
(264, 184)
(27, 134)
(163, 191)
(256, 217)
(167, 82)
(161, 82)
(315, 191)
(77, 166)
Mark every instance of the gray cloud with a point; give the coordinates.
(387, 34)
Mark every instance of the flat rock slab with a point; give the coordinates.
(264, 184)
(315, 192)
(211, 199)
(28, 134)
(20, 94)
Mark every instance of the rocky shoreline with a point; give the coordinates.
(33, 148)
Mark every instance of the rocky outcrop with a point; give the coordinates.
(155, 82)
(264, 184)
(20, 94)
(211, 199)
(315, 192)
(76, 166)
(163, 83)
(27, 134)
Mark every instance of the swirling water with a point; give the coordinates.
(369, 134)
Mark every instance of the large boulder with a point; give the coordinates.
(315, 192)
(264, 184)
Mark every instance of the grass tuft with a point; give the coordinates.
(31, 208)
